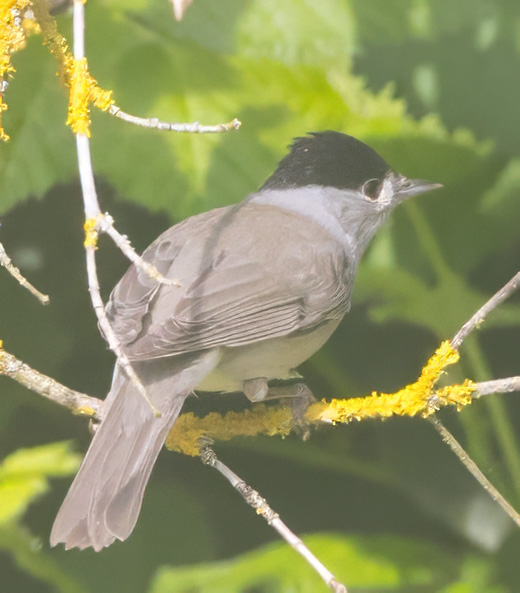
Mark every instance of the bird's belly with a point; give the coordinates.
(271, 359)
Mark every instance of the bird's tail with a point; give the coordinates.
(105, 498)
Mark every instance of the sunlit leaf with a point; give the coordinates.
(24, 475)
(386, 563)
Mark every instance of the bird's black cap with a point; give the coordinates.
(329, 159)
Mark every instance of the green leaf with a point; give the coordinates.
(26, 552)
(324, 35)
(24, 476)
(500, 210)
(367, 563)
(395, 294)
(286, 76)
(383, 22)
(40, 151)
(476, 577)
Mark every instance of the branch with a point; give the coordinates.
(105, 224)
(83, 91)
(260, 505)
(77, 402)
(508, 385)
(83, 88)
(473, 469)
(6, 262)
(80, 403)
(189, 430)
(476, 320)
(192, 128)
(92, 212)
(484, 388)
(106, 328)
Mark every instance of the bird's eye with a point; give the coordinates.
(371, 188)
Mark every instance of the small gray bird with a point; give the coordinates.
(264, 284)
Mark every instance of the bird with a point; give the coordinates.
(261, 286)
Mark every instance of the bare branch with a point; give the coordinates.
(260, 505)
(497, 299)
(6, 262)
(191, 128)
(77, 402)
(105, 224)
(106, 328)
(508, 385)
(188, 430)
(92, 212)
(474, 470)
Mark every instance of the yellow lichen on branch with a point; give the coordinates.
(56, 43)
(79, 97)
(12, 33)
(188, 430)
(14, 28)
(413, 400)
(91, 232)
(83, 89)
(418, 399)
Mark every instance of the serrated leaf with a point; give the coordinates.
(157, 70)
(39, 154)
(383, 22)
(325, 33)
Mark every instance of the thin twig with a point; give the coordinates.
(189, 128)
(106, 328)
(28, 377)
(472, 467)
(254, 500)
(77, 402)
(106, 225)
(508, 385)
(6, 262)
(497, 299)
(485, 388)
(92, 211)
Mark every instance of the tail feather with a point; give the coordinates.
(105, 499)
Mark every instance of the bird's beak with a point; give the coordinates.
(412, 187)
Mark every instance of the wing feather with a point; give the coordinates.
(241, 283)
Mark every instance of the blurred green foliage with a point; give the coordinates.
(432, 85)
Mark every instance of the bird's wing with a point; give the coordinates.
(248, 273)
